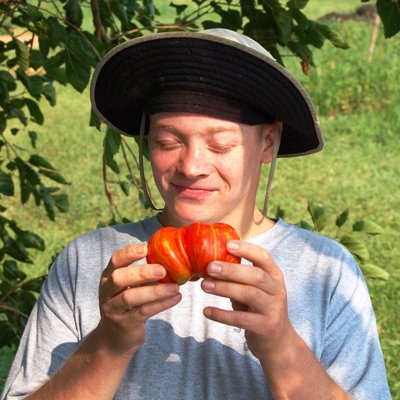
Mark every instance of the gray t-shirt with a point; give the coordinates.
(187, 356)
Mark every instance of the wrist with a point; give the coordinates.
(111, 345)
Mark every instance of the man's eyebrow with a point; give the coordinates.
(211, 130)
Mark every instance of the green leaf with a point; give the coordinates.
(6, 77)
(49, 203)
(342, 218)
(112, 143)
(284, 23)
(56, 33)
(8, 335)
(32, 83)
(44, 43)
(300, 49)
(179, 8)
(119, 10)
(35, 284)
(6, 184)
(211, 24)
(54, 175)
(301, 19)
(33, 138)
(17, 250)
(305, 225)
(31, 240)
(36, 59)
(318, 216)
(39, 161)
(22, 53)
(61, 202)
(73, 12)
(307, 35)
(6, 358)
(77, 63)
(375, 272)
(94, 120)
(368, 226)
(231, 19)
(3, 123)
(12, 272)
(49, 93)
(280, 212)
(125, 187)
(333, 36)
(34, 110)
(297, 4)
(389, 11)
(356, 247)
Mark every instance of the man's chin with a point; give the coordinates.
(188, 214)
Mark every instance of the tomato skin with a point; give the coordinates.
(206, 243)
(185, 252)
(166, 247)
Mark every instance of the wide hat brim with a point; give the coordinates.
(127, 77)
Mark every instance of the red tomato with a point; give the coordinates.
(185, 252)
(166, 247)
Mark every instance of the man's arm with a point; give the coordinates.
(260, 307)
(128, 297)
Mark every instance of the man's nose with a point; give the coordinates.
(194, 162)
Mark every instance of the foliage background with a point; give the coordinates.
(359, 169)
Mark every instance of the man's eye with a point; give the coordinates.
(220, 149)
(164, 145)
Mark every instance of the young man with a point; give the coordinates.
(293, 321)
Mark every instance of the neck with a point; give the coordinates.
(258, 224)
(246, 228)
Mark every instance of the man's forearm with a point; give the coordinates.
(297, 374)
(92, 372)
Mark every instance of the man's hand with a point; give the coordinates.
(259, 301)
(129, 296)
(258, 296)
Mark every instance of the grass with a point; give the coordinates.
(359, 168)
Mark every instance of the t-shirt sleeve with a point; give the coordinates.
(51, 334)
(352, 354)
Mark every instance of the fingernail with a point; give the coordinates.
(171, 287)
(141, 249)
(214, 268)
(208, 285)
(158, 271)
(232, 245)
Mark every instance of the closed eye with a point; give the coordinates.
(167, 145)
(220, 149)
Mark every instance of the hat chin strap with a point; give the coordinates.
(145, 187)
(277, 142)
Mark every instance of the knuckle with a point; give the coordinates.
(243, 319)
(126, 298)
(251, 293)
(117, 278)
(258, 275)
(143, 273)
(144, 312)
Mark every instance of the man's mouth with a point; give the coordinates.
(192, 192)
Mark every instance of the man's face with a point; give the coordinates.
(206, 169)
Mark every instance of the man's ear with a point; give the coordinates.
(271, 137)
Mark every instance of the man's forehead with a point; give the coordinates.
(175, 120)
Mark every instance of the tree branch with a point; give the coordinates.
(100, 32)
